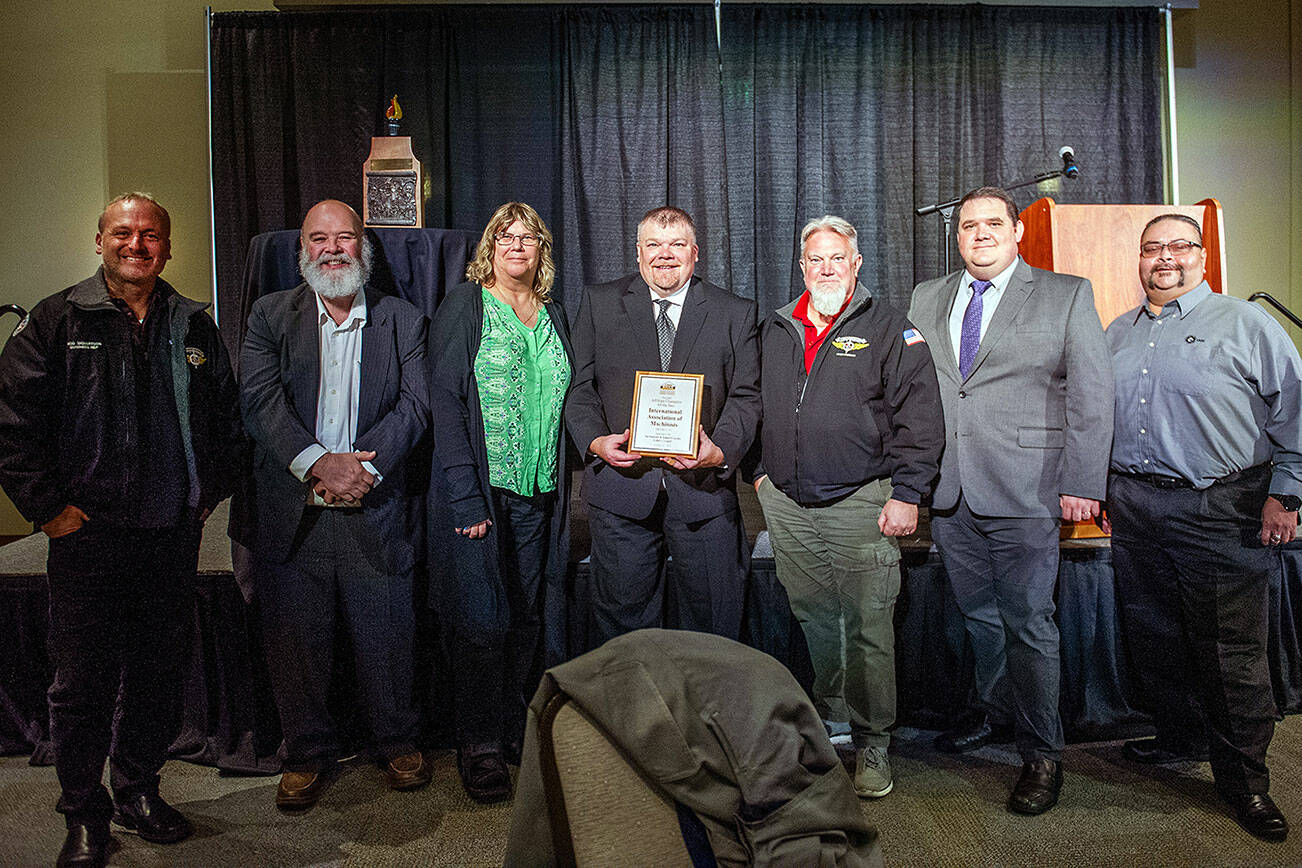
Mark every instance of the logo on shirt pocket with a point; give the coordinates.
(195, 356)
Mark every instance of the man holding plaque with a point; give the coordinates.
(851, 441)
(642, 508)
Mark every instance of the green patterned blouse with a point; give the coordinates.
(522, 374)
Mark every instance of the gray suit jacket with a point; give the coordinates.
(279, 379)
(1033, 418)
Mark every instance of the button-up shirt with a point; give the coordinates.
(676, 301)
(989, 301)
(1208, 386)
(339, 389)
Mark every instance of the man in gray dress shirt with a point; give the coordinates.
(1205, 484)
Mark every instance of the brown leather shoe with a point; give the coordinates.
(299, 790)
(407, 772)
(1037, 788)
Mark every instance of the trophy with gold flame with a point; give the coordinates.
(392, 181)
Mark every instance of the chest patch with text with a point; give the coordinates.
(849, 345)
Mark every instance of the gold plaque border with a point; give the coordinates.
(699, 380)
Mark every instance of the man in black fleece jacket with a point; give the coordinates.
(851, 439)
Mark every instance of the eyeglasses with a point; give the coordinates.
(1179, 247)
(508, 239)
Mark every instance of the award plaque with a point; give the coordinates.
(666, 414)
(392, 181)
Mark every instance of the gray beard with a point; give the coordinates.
(828, 302)
(337, 283)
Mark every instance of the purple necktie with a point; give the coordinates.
(970, 338)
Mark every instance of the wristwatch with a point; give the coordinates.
(1290, 502)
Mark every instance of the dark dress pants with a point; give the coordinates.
(495, 641)
(121, 620)
(1193, 584)
(328, 579)
(701, 588)
(1003, 572)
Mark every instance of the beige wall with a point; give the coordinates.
(99, 98)
(1238, 89)
(105, 96)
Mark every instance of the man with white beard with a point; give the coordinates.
(333, 392)
(851, 439)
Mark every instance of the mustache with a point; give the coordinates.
(337, 283)
(333, 258)
(1157, 269)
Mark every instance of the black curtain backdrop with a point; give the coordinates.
(596, 114)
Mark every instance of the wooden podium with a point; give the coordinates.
(1101, 242)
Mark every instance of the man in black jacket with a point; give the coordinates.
(119, 432)
(851, 441)
(668, 547)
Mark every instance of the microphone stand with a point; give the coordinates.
(946, 209)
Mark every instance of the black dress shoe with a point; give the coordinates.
(484, 773)
(85, 847)
(973, 733)
(153, 819)
(1155, 751)
(1038, 787)
(1256, 812)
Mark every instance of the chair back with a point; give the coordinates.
(603, 811)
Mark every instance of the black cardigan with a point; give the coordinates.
(459, 474)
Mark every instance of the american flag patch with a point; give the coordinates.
(913, 336)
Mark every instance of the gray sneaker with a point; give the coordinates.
(872, 773)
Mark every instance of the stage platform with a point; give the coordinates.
(230, 719)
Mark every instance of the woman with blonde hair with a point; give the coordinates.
(502, 367)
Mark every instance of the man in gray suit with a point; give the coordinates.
(1026, 385)
(334, 394)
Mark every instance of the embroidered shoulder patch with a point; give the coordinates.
(195, 356)
(913, 336)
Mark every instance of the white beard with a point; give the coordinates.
(828, 302)
(341, 282)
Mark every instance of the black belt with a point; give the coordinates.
(1159, 480)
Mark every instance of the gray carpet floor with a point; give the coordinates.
(945, 811)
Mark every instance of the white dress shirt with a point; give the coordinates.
(675, 300)
(339, 389)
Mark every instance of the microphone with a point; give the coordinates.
(1069, 167)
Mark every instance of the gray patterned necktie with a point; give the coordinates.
(665, 331)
